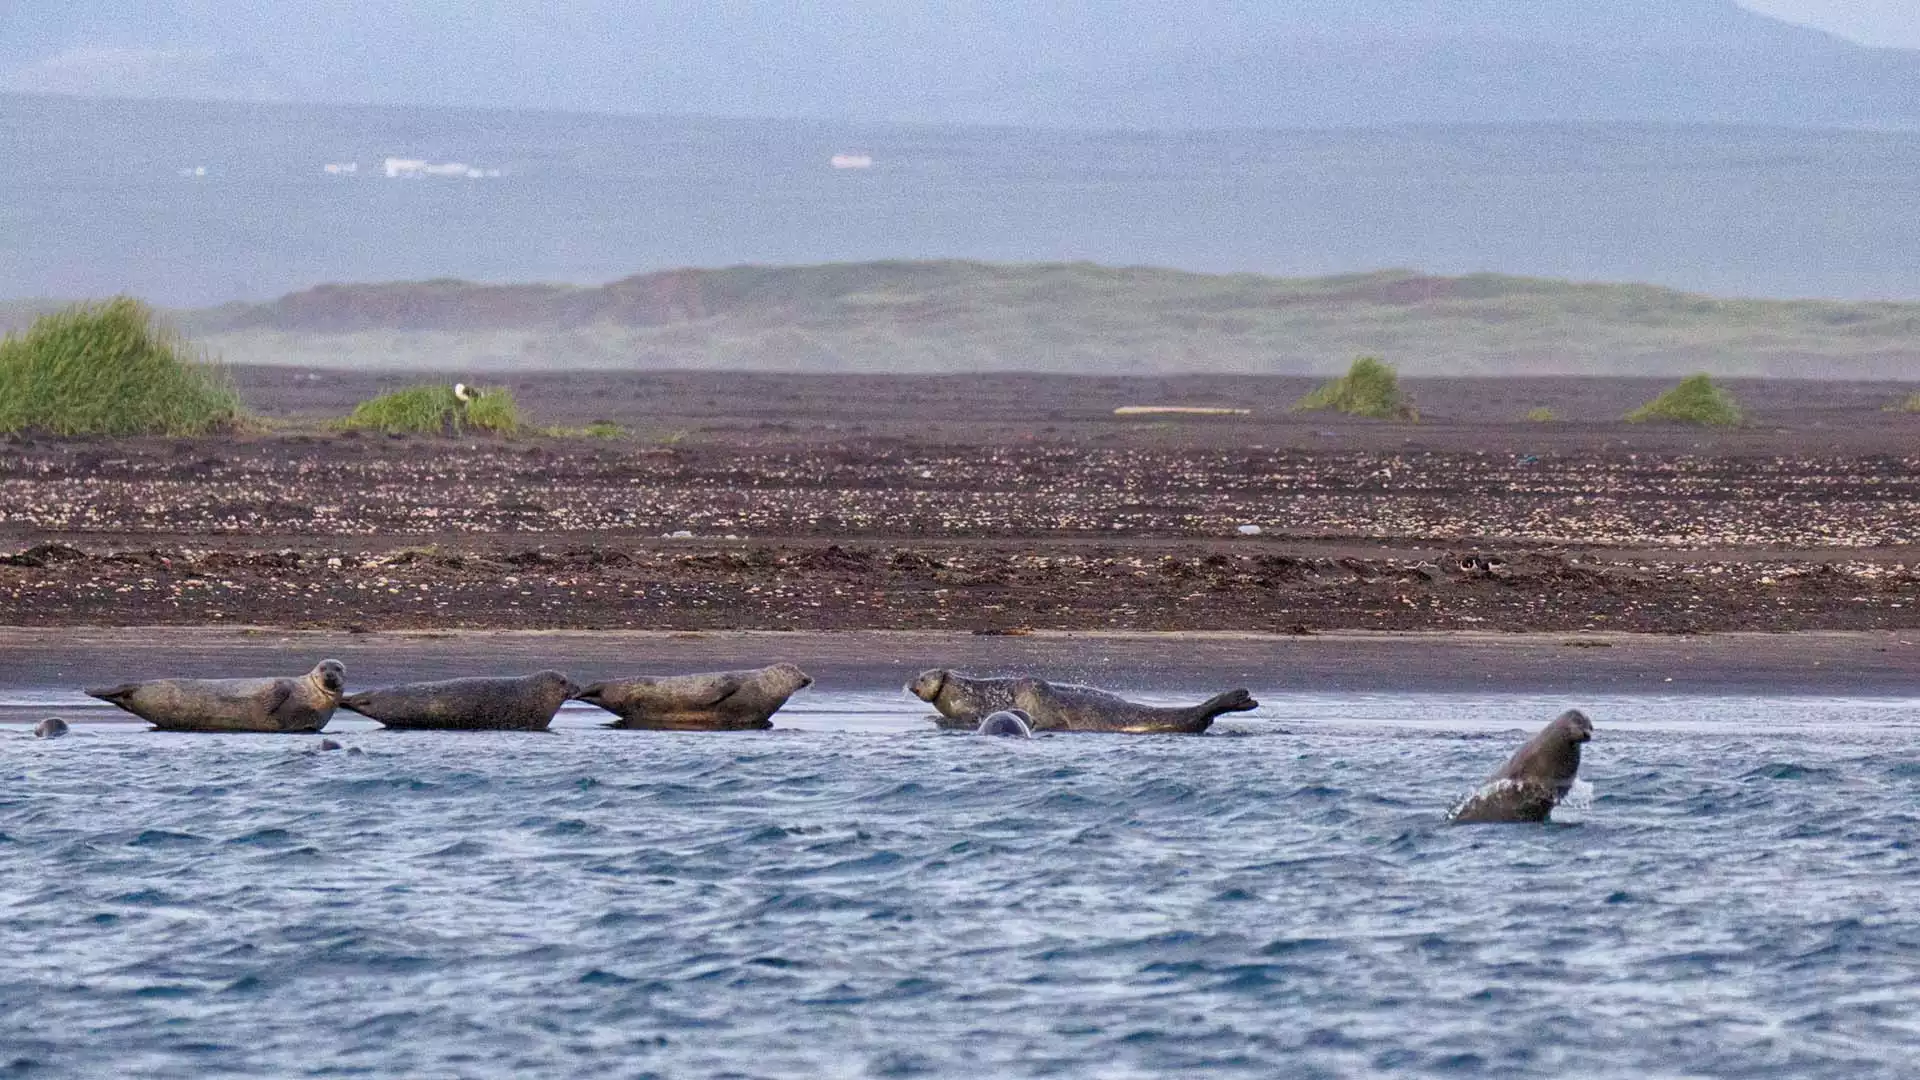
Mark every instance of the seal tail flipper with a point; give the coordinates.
(353, 702)
(1201, 716)
(591, 693)
(116, 695)
(1231, 701)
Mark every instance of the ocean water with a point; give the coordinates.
(854, 895)
(96, 203)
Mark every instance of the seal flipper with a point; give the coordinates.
(1231, 701)
(116, 695)
(353, 702)
(282, 691)
(1204, 713)
(724, 689)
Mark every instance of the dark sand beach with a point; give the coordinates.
(985, 504)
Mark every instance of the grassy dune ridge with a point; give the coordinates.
(1064, 317)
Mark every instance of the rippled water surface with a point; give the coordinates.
(859, 896)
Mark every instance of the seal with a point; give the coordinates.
(963, 701)
(1534, 779)
(303, 704)
(1010, 724)
(51, 728)
(526, 703)
(1081, 708)
(713, 701)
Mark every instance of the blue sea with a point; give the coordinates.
(96, 201)
(1734, 891)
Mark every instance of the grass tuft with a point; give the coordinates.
(1542, 415)
(1694, 401)
(1910, 404)
(1370, 388)
(437, 410)
(107, 369)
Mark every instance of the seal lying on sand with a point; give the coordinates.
(523, 704)
(964, 700)
(303, 704)
(1011, 724)
(715, 701)
(1534, 779)
(1081, 708)
(51, 728)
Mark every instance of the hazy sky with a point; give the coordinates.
(622, 55)
(1870, 22)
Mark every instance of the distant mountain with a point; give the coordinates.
(1118, 63)
(954, 316)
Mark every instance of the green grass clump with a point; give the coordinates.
(1695, 401)
(1370, 388)
(437, 410)
(1910, 405)
(107, 369)
(1542, 415)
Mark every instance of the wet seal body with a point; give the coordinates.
(1534, 779)
(1082, 708)
(1009, 724)
(964, 701)
(526, 703)
(713, 701)
(303, 704)
(51, 728)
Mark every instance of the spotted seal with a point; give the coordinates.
(713, 701)
(1081, 708)
(1534, 779)
(302, 704)
(1009, 724)
(51, 728)
(526, 703)
(963, 701)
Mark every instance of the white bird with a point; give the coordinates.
(460, 392)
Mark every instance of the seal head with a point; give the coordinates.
(51, 728)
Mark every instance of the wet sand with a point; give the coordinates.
(1826, 664)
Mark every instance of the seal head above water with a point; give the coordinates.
(713, 701)
(526, 703)
(302, 704)
(1054, 707)
(51, 728)
(1534, 779)
(1008, 724)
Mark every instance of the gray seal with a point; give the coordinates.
(302, 704)
(526, 703)
(1082, 708)
(963, 701)
(51, 728)
(1010, 724)
(713, 701)
(1534, 779)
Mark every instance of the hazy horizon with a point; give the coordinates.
(1223, 63)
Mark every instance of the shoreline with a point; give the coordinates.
(1869, 664)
